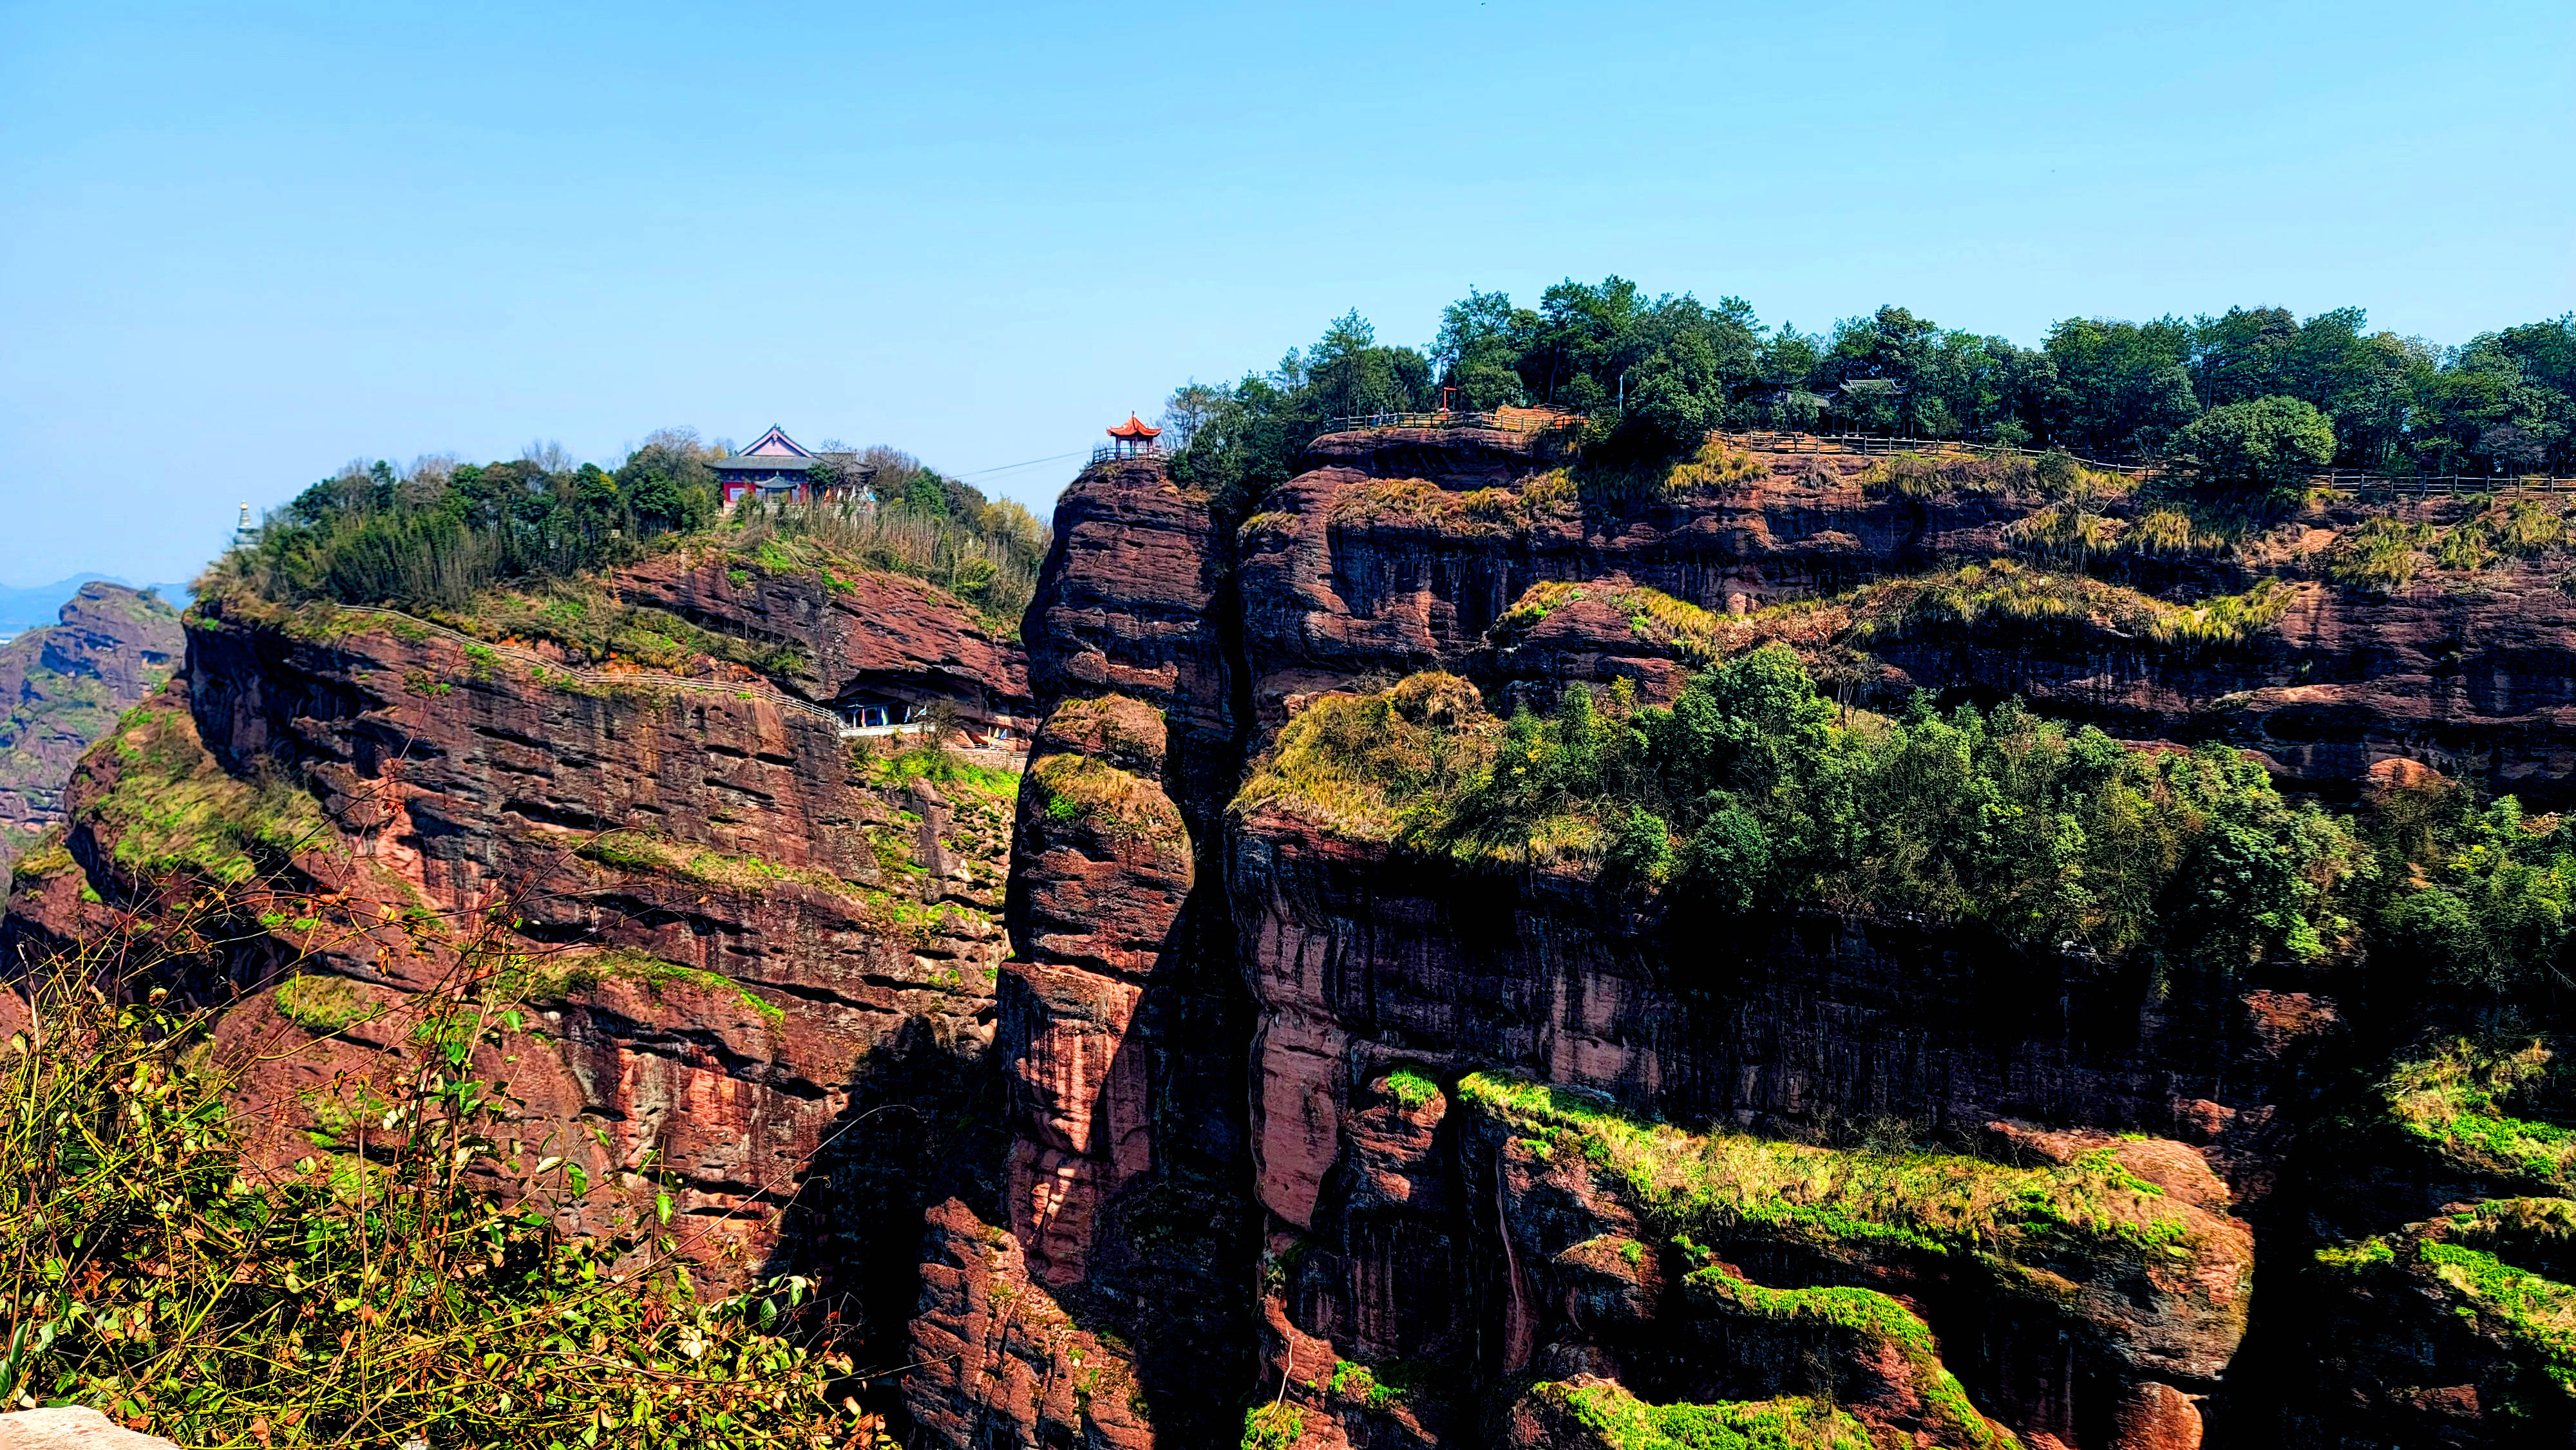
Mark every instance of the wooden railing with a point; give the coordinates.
(1112, 452)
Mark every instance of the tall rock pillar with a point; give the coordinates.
(1105, 1294)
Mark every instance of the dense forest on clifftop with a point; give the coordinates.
(1672, 367)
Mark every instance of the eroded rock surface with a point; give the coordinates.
(1122, 1016)
(1417, 1254)
(752, 957)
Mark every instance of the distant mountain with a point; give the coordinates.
(63, 686)
(42, 604)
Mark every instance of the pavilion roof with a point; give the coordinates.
(1134, 427)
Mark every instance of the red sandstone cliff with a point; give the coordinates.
(1199, 1109)
(755, 959)
(1417, 1261)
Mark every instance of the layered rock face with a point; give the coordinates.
(1439, 1262)
(1402, 551)
(1092, 1292)
(754, 958)
(63, 686)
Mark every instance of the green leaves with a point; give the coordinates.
(2267, 446)
(355, 1301)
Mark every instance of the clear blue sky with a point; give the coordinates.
(240, 244)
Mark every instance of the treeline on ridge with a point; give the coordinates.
(1662, 371)
(440, 532)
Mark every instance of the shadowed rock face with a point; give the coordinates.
(1123, 1019)
(62, 687)
(1414, 1258)
(756, 953)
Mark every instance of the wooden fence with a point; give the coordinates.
(1501, 420)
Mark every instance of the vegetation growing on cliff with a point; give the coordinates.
(636, 849)
(1623, 1422)
(1378, 767)
(984, 551)
(1654, 616)
(1074, 788)
(173, 811)
(2384, 553)
(359, 1299)
(2007, 599)
(2038, 1231)
(2483, 1105)
(443, 535)
(2505, 1266)
(555, 978)
(1883, 1326)
(1718, 1187)
(1750, 791)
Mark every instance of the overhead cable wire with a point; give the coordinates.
(1032, 463)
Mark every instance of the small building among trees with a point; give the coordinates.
(777, 467)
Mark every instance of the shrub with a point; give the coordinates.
(1624, 1422)
(2264, 446)
(1409, 1088)
(1272, 1427)
(321, 1004)
(358, 1300)
(2169, 532)
(2063, 533)
(1931, 475)
(2382, 555)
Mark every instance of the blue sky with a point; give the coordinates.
(240, 244)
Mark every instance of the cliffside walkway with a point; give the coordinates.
(743, 690)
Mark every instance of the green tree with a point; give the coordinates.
(2117, 387)
(2266, 445)
(1478, 351)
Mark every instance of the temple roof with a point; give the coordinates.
(1134, 427)
(775, 444)
(763, 463)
